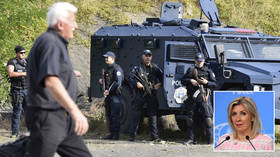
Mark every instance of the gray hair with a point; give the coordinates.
(251, 107)
(59, 11)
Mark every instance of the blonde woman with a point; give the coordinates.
(245, 122)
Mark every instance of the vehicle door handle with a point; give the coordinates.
(169, 75)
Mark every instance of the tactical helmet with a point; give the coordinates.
(199, 57)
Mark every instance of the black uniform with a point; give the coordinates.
(113, 76)
(196, 104)
(153, 74)
(51, 126)
(18, 92)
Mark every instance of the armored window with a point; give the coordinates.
(234, 48)
(114, 43)
(266, 49)
(151, 43)
(184, 51)
(98, 43)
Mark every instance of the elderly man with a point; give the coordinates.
(16, 68)
(53, 118)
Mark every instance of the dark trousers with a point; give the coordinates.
(197, 107)
(152, 109)
(53, 131)
(18, 103)
(113, 109)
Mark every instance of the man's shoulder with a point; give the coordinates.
(12, 61)
(154, 65)
(44, 42)
(47, 37)
(191, 68)
(118, 67)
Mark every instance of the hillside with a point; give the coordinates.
(22, 21)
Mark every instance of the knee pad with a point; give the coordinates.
(116, 99)
(208, 122)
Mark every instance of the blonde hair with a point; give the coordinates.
(251, 107)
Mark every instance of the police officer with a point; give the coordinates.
(16, 68)
(199, 80)
(146, 79)
(113, 77)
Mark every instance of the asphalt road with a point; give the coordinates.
(101, 148)
(143, 148)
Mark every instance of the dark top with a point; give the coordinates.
(153, 74)
(113, 78)
(19, 66)
(203, 72)
(49, 57)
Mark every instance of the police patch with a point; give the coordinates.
(119, 73)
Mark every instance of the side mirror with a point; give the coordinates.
(220, 54)
(221, 58)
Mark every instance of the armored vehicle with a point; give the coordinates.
(241, 59)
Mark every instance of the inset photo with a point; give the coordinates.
(244, 121)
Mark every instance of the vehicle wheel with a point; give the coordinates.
(182, 124)
(127, 97)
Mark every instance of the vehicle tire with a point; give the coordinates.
(126, 114)
(181, 123)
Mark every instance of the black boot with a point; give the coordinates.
(131, 138)
(116, 136)
(109, 137)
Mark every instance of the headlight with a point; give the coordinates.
(258, 88)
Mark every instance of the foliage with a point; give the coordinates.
(22, 21)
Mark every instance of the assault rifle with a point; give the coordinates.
(201, 88)
(144, 81)
(103, 83)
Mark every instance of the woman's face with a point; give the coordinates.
(241, 119)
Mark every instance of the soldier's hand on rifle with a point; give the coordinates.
(100, 81)
(157, 86)
(139, 85)
(194, 82)
(203, 81)
(106, 92)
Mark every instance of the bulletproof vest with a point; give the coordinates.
(109, 76)
(19, 66)
(150, 73)
(203, 73)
